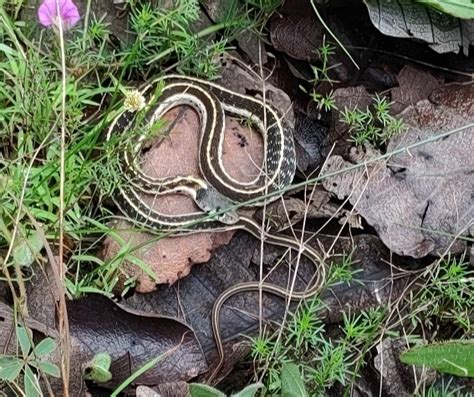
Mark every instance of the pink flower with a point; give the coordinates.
(48, 13)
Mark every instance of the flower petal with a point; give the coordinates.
(47, 12)
(68, 12)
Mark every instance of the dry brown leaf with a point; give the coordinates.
(289, 211)
(145, 391)
(419, 201)
(171, 389)
(296, 35)
(414, 85)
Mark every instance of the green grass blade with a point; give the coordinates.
(150, 364)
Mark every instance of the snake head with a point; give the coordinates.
(211, 201)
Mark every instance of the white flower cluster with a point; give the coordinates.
(134, 101)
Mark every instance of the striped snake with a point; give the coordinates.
(217, 193)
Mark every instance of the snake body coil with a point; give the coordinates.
(218, 188)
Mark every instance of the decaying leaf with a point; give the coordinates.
(287, 212)
(296, 35)
(145, 391)
(132, 339)
(172, 389)
(42, 295)
(419, 201)
(414, 85)
(312, 143)
(244, 81)
(406, 19)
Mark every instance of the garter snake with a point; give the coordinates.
(217, 190)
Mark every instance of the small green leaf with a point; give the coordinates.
(46, 346)
(10, 368)
(7, 50)
(292, 384)
(49, 369)
(201, 390)
(454, 357)
(26, 250)
(249, 391)
(32, 387)
(98, 369)
(463, 9)
(24, 338)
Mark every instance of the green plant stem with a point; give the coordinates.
(63, 324)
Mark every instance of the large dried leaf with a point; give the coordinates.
(296, 35)
(312, 143)
(132, 339)
(414, 85)
(98, 325)
(245, 81)
(406, 19)
(420, 200)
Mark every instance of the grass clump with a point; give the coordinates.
(447, 296)
(323, 361)
(373, 125)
